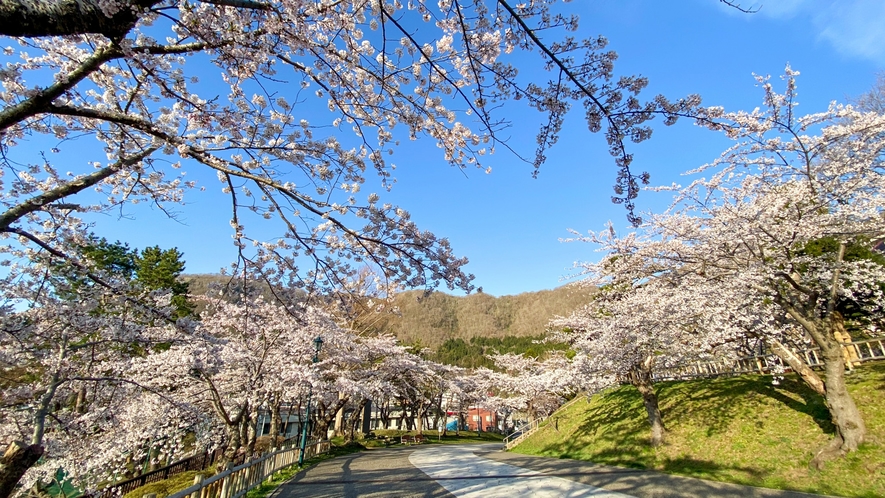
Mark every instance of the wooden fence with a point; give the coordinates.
(855, 352)
(196, 462)
(237, 481)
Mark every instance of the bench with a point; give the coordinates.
(412, 439)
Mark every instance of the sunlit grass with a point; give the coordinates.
(388, 437)
(738, 429)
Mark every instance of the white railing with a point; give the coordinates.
(530, 428)
(521, 433)
(239, 480)
(855, 352)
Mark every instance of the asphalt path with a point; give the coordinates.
(484, 471)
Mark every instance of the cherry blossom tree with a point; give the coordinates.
(227, 86)
(628, 333)
(241, 356)
(526, 384)
(790, 181)
(69, 395)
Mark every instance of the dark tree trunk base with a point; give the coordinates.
(641, 377)
(18, 458)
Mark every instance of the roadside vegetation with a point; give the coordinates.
(185, 480)
(746, 430)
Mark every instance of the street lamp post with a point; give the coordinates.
(317, 344)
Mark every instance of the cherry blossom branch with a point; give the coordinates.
(42, 99)
(737, 6)
(86, 272)
(78, 184)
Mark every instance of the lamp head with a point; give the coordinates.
(318, 343)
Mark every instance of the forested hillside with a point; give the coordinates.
(475, 352)
(429, 321)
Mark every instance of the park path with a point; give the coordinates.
(466, 475)
(484, 471)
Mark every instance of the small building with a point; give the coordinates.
(481, 419)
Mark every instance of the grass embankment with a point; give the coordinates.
(738, 429)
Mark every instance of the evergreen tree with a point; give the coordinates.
(160, 269)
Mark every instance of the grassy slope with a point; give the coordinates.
(740, 429)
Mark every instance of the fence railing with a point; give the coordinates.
(237, 481)
(530, 428)
(522, 432)
(196, 462)
(854, 352)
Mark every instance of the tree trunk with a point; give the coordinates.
(419, 419)
(799, 366)
(642, 379)
(326, 414)
(19, 457)
(250, 430)
(849, 352)
(339, 417)
(850, 427)
(80, 404)
(234, 442)
(34, 18)
(384, 413)
(275, 424)
(356, 419)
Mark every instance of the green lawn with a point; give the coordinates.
(431, 437)
(737, 429)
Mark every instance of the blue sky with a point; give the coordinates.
(509, 224)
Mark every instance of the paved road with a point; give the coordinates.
(483, 471)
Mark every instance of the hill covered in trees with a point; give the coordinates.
(430, 321)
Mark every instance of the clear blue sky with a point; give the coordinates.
(509, 224)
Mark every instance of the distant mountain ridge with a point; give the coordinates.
(431, 320)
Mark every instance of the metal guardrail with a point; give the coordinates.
(530, 428)
(239, 480)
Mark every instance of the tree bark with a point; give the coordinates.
(418, 413)
(233, 444)
(339, 417)
(811, 378)
(326, 414)
(641, 377)
(37, 18)
(275, 418)
(356, 419)
(384, 413)
(251, 430)
(850, 427)
(19, 457)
